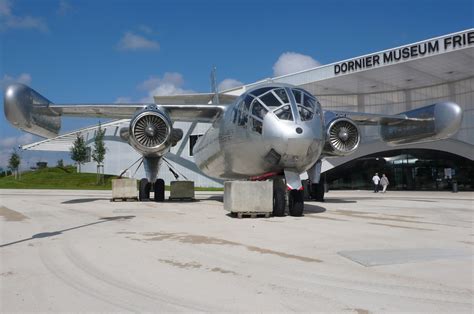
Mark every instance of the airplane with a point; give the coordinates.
(271, 131)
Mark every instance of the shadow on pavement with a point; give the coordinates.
(55, 233)
(84, 200)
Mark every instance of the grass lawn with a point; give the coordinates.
(56, 178)
(64, 178)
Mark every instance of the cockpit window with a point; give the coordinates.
(281, 93)
(308, 102)
(305, 114)
(247, 102)
(258, 110)
(260, 91)
(270, 100)
(297, 95)
(284, 113)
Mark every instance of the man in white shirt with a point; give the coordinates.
(376, 180)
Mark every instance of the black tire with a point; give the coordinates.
(317, 192)
(144, 191)
(159, 190)
(279, 203)
(296, 203)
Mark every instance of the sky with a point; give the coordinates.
(107, 51)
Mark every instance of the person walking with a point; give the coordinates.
(376, 180)
(384, 182)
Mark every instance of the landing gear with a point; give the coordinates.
(159, 189)
(279, 197)
(279, 203)
(296, 202)
(317, 192)
(144, 191)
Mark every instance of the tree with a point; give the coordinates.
(79, 150)
(60, 163)
(98, 154)
(14, 163)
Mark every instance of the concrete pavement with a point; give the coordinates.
(358, 252)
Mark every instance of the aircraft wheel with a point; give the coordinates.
(296, 203)
(317, 192)
(159, 190)
(144, 191)
(279, 203)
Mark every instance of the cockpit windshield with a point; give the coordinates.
(306, 104)
(276, 100)
(257, 103)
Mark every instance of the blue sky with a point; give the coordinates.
(122, 50)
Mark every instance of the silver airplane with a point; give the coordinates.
(270, 132)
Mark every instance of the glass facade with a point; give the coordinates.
(406, 169)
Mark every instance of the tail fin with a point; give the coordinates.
(215, 99)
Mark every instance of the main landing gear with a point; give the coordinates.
(158, 189)
(317, 191)
(296, 202)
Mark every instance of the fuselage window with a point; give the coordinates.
(257, 125)
(284, 113)
(243, 117)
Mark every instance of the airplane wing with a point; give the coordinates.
(431, 122)
(28, 110)
(372, 118)
(177, 112)
(186, 107)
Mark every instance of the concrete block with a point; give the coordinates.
(181, 190)
(248, 196)
(124, 189)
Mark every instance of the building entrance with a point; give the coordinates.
(409, 169)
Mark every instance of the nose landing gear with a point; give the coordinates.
(295, 200)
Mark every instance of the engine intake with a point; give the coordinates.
(342, 137)
(150, 131)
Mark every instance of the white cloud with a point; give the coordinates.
(170, 84)
(229, 83)
(5, 8)
(145, 29)
(15, 141)
(290, 62)
(8, 20)
(64, 8)
(131, 41)
(123, 100)
(24, 78)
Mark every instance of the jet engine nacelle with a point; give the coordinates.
(27, 110)
(342, 137)
(428, 123)
(151, 132)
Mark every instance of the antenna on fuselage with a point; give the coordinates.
(215, 99)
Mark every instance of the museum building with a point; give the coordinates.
(386, 82)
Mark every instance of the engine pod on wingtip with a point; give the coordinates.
(27, 110)
(435, 122)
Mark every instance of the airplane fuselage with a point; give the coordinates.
(267, 130)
